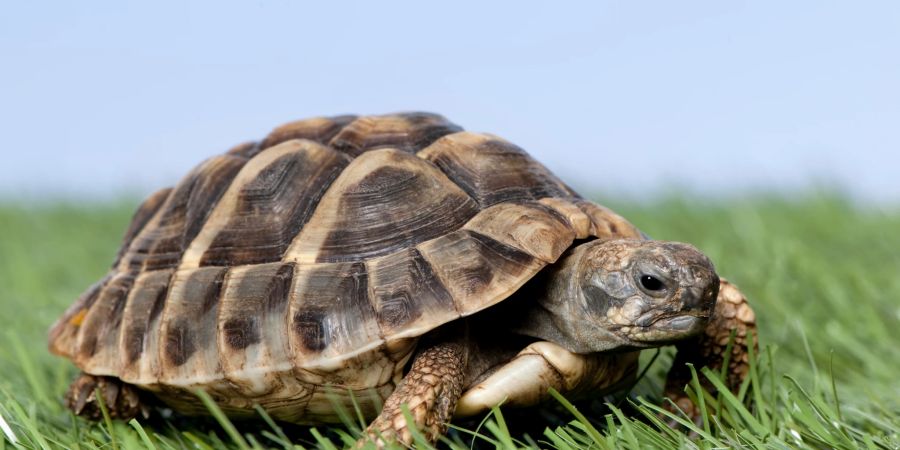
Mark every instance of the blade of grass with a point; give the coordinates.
(197, 441)
(30, 372)
(834, 394)
(626, 429)
(476, 434)
(323, 441)
(701, 398)
(560, 438)
(499, 429)
(690, 425)
(220, 417)
(7, 431)
(282, 438)
(755, 385)
(143, 434)
(595, 435)
(106, 419)
(735, 404)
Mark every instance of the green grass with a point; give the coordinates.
(823, 275)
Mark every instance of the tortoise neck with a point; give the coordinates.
(553, 307)
(546, 306)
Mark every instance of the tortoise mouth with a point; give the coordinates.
(667, 328)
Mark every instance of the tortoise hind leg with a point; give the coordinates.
(430, 391)
(121, 399)
(732, 313)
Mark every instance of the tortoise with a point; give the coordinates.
(386, 260)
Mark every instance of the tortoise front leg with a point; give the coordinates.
(732, 313)
(526, 379)
(430, 391)
(121, 399)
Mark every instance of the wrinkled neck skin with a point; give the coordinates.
(560, 312)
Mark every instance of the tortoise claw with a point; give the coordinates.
(122, 400)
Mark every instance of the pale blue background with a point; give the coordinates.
(617, 97)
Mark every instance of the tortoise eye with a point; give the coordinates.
(651, 283)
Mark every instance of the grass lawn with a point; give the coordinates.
(823, 275)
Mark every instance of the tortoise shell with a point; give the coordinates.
(299, 271)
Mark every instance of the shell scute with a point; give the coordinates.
(186, 349)
(383, 202)
(318, 129)
(252, 325)
(270, 201)
(330, 313)
(63, 334)
(144, 306)
(605, 223)
(408, 132)
(407, 296)
(141, 217)
(478, 270)
(472, 160)
(530, 226)
(161, 243)
(180, 343)
(97, 342)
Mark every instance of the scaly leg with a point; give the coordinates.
(430, 391)
(732, 313)
(122, 400)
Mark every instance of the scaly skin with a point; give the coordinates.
(122, 400)
(732, 313)
(430, 391)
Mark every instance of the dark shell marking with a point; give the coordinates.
(492, 170)
(289, 188)
(316, 257)
(406, 294)
(309, 325)
(194, 294)
(330, 311)
(98, 339)
(143, 215)
(161, 243)
(320, 130)
(180, 343)
(147, 300)
(405, 132)
(241, 332)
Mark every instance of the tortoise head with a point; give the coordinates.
(622, 293)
